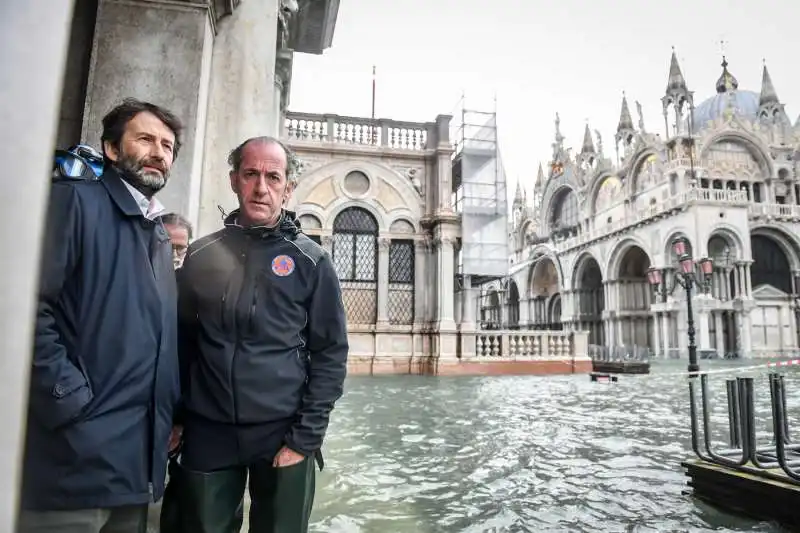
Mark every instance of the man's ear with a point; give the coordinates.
(234, 182)
(287, 195)
(110, 151)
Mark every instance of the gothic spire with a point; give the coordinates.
(539, 179)
(675, 81)
(588, 142)
(768, 94)
(726, 82)
(625, 120)
(518, 196)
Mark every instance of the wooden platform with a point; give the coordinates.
(764, 495)
(621, 367)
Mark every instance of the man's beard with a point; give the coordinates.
(146, 182)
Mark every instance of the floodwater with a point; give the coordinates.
(410, 454)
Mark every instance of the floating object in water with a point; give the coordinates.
(602, 377)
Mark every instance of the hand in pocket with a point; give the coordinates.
(287, 457)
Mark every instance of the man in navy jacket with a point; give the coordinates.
(263, 346)
(105, 376)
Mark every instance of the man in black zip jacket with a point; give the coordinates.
(263, 346)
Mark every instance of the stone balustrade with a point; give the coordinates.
(531, 345)
(647, 214)
(327, 128)
(777, 211)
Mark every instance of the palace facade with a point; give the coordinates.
(724, 175)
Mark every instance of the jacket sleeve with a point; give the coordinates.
(187, 331)
(328, 348)
(59, 390)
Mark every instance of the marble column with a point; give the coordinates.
(444, 257)
(384, 244)
(747, 343)
(720, 337)
(420, 283)
(703, 333)
(327, 244)
(33, 37)
(656, 340)
(665, 333)
(241, 100)
(160, 52)
(748, 280)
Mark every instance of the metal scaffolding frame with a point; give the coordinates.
(479, 195)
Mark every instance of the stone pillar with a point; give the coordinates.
(420, 283)
(327, 244)
(747, 343)
(656, 339)
(665, 333)
(443, 164)
(748, 280)
(384, 244)
(241, 99)
(165, 58)
(719, 334)
(737, 283)
(33, 40)
(432, 284)
(444, 304)
(703, 333)
(283, 83)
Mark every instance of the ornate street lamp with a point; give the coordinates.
(685, 277)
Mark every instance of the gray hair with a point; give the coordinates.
(292, 163)
(181, 221)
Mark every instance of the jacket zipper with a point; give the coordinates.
(251, 318)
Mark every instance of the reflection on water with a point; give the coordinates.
(412, 454)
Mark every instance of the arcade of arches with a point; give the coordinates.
(749, 308)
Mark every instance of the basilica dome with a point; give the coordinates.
(743, 104)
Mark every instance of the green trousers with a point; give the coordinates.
(212, 502)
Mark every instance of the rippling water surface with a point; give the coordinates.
(409, 454)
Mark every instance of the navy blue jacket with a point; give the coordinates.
(263, 334)
(105, 376)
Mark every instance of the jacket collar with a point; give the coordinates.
(287, 223)
(119, 192)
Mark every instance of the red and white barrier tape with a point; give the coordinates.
(732, 370)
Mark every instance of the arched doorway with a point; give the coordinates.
(634, 320)
(773, 321)
(771, 266)
(512, 305)
(544, 287)
(591, 300)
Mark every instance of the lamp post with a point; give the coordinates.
(685, 277)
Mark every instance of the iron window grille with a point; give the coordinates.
(355, 259)
(400, 303)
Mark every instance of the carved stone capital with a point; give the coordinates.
(327, 241)
(422, 246)
(384, 243)
(444, 240)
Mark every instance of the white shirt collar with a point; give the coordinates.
(150, 207)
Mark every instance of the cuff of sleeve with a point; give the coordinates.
(292, 445)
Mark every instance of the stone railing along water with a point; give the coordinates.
(356, 131)
(522, 345)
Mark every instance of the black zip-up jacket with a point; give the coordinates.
(262, 330)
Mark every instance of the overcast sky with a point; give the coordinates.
(574, 57)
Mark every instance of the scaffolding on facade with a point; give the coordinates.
(480, 196)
